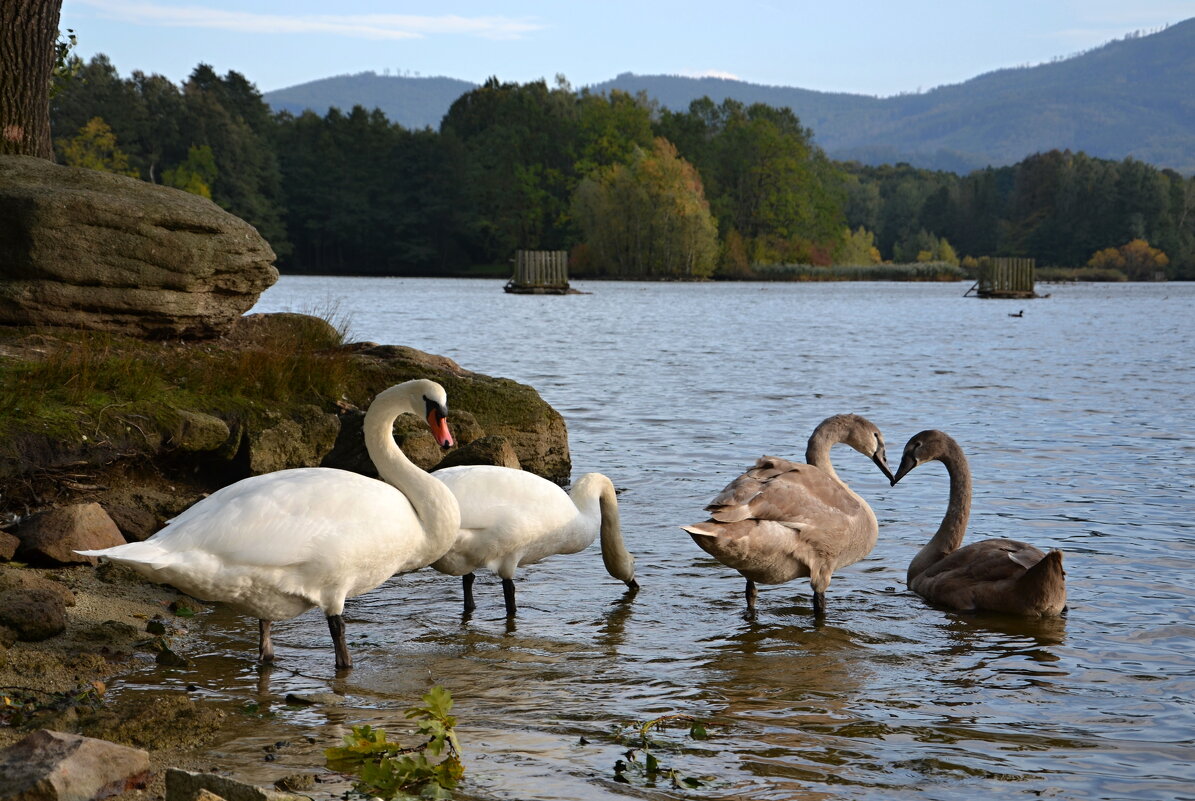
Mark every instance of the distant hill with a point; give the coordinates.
(1131, 97)
(411, 102)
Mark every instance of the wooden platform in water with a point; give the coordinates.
(539, 289)
(1005, 278)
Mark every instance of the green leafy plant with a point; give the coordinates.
(66, 67)
(387, 769)
(641, 760)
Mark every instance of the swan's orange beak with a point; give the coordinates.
(438, 423)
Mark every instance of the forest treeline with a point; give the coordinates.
(721, 190)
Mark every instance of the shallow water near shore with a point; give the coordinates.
(1076, 418)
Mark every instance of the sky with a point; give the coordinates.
(871, 47)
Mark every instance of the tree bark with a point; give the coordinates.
(28, 35)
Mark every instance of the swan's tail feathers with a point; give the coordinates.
(1044, 584)
(134, 554)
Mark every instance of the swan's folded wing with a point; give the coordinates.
(990, 560)
(794, 494)
(292, 515)
(733, 503)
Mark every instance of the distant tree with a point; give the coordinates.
(862, 207)
(366, 196)
(228, 115)
(94, 147)
(1136, 259)
(196, 174)
(734, 261)
(28, 54)
(520, 148)
(648, 218)
(857, 247)
(610, 127)
(766, 178)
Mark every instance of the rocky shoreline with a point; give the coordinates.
(67, 625)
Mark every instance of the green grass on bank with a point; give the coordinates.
(90, 387)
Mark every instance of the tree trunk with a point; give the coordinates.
(28, 35)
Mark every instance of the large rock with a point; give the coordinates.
(53, 766)
(491, 450)
(89, 249)
(499, 406)
(54, 535)
(301, 440)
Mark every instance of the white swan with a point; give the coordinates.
(275, 545)
(511, 518)
(781, 520)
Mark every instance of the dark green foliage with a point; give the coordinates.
(366, 196)
(157, 124)
(355, 193)
(1057, 207)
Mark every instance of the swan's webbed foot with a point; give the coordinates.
(508, 595)
(265, 648)
(467, 584)
(336, 627)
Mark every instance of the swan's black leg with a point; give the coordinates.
(467, 583)
(336, 626)
(265, 648)
(508, 595)
(751, 595)
(819, 603)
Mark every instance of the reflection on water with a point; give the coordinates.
(1076, 421)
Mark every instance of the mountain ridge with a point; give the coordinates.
(1131, 97)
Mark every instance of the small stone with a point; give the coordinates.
(34, 614)
(182, 785)
(168, 658)
(8, 545)
(315, 699)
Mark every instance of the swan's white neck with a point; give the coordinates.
(433, 502)
(958, 512)
(594, 496)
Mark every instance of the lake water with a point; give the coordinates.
(1077, 418)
